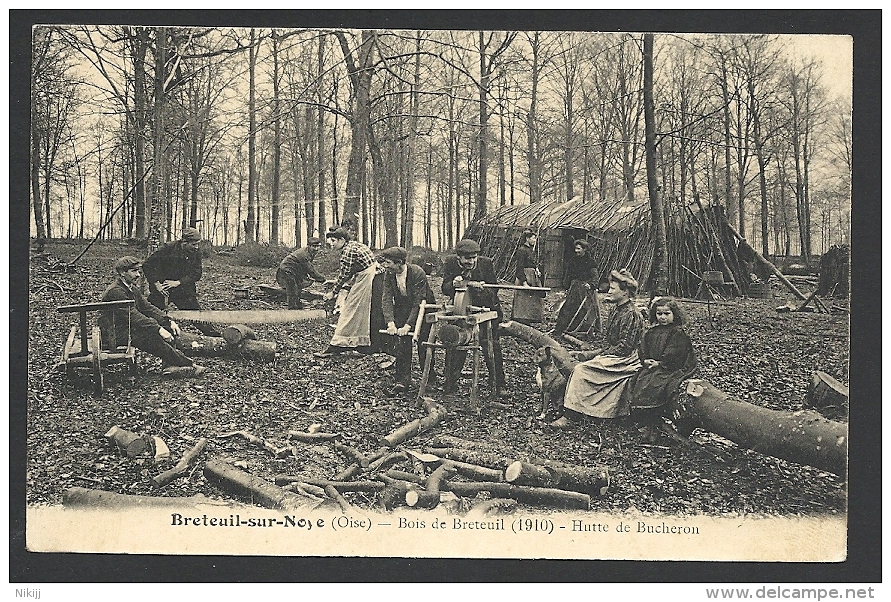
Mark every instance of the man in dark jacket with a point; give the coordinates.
(172, 271)
(296, 270)
(405, 287)
(467, 268)
(149, 328)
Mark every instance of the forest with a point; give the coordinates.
(272, 135)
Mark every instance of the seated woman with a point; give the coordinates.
(596, 387)
(666, 353)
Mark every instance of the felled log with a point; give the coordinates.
(803, 438)
(533, 496)
(401, 475)
(95, 498)
(394, 493)
(353, 453)
(182, 466)
(593, 481)
(342, 486)
(389, 460)
(429, 497)
(312, 437)
(237, 333)
(247, 316)
(255, 489)
(278, 452)
(204, 346)
(332, 493)
(825, 392)
(469, 456)
(127, 441)
(475, 472)
(435, 414)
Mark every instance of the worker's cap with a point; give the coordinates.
(338, 233)
(467, 247)
(191, 235)
(314, 241)
(394, 254)
(128, 262)
(624, 276)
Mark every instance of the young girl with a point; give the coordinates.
(666, 353)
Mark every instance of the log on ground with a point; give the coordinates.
(204, 346)
(804, 437)
(494, 461)
(254, 489)
(533, 496)
(593, 481)
(435, 414)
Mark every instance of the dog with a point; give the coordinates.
(551, 383)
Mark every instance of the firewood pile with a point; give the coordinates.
(448, 472)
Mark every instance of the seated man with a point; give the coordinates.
(468, 268)
(150, 330)
(172, 272)
(296, 270)
(405, 287)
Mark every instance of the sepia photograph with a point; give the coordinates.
(438, 292)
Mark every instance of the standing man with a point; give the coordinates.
(172, 272)
(353, 328)
(405, 287)
(149, 329)
(468, 268)
(296, 270)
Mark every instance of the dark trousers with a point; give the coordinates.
(455, 358)
(293, 287)
(402, 352)
(154, 344)
(183, 301)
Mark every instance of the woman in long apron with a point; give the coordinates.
(357, 262)
(597, 386)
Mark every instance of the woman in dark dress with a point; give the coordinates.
(527, 271)
(667, 355)
(580, 310)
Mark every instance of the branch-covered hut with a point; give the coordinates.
(621, 235)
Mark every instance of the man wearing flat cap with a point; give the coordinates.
(296, 271)
(172, 271)
(149, 328)
(405, 287)
(468, 269)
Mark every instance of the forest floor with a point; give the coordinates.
(748, 350)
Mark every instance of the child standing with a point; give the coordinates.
(667, 355)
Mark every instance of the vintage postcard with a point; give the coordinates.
(439, 293)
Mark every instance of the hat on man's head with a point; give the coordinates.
(625, 276)
(338, 233)
(127, 262)
(314, 241)
(191, 235)
(467, 247)
(395, 254)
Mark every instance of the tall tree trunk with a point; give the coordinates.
(36, 199)
(139, 115)
(250, 224)
(532, 123)
(658, 276)
(154, 234)
(277, 143)
(483, 159)
(320, 138)
(360, 72)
